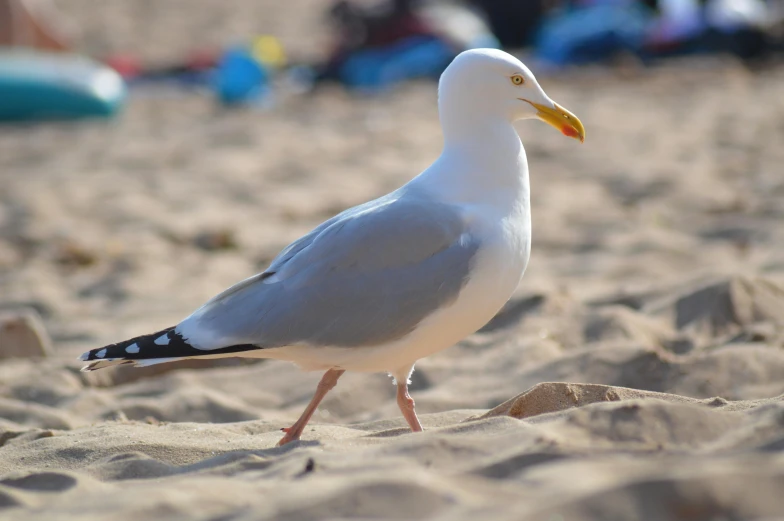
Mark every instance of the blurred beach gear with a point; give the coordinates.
(239, 77)
(375, 46)
(379, 44)
(592, 34)
(239, 74)
(382, 44)
(37, 85)
(40, 79)
(590, 31)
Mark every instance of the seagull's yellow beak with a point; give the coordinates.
(569, 124)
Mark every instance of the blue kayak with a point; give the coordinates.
(41, 86)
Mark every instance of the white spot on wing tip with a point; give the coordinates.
(162, 340)
(101, 353)
(133, 348)
(84, 357)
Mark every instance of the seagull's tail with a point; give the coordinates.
(163, 346)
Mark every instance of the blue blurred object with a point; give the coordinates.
(43, 86)
(592, 33)
(413, 57)
(240, 78)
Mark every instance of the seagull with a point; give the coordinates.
(386, 283)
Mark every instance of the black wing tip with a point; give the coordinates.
(167, 343)
(128, 350)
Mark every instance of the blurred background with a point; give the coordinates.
(154, 152)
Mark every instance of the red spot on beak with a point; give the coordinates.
(566, 130)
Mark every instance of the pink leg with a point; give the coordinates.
(406, 404)
(328, 381)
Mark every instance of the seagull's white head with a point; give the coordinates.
(482, 83)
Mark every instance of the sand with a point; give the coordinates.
(638, 372)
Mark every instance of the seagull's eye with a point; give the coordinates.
(517, 79)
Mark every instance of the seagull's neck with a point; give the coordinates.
(483, 162)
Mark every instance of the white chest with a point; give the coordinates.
(498, 267)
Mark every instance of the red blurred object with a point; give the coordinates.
(126, 65)
(129, 66)
(202, 59)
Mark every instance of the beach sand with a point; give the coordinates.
(638, 372)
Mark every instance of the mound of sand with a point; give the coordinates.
(640, 455)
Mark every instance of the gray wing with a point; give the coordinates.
(368, 276)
